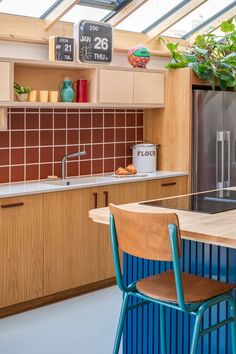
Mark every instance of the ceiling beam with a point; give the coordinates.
(125, 12)
(172, 19)
(31, 30)
(59, 12)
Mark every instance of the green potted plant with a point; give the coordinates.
(22, 92)
(212, 57)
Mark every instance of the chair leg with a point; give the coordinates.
(163, 329)
(233, 324)
(120, 324)
(196, 331)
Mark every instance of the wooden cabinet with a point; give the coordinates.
(49, 244)
(149, 88)
(166, 187)
(70, 242)
(129, 193)
(21, 249)
(116, 86)
(128, 87)
(117, 194)
(5, 82)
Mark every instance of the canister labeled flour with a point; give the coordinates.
(145, 157)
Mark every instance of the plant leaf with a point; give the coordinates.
(227, 26)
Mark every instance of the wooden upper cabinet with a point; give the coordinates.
(5, 82)
(149, 88)
(116, 86)
(129, 87)
(21, 249)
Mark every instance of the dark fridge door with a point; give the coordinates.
(208, 140)
(230, 138)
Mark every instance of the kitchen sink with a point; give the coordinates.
(76, 181)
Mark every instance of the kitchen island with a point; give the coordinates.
(209, 249)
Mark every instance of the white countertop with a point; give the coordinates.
(27, 188)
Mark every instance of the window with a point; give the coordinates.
(191, 22)
(25, 7)
(80, 12)
(147, 14)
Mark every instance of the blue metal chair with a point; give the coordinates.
(156, 236)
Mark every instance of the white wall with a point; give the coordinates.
(40, 52)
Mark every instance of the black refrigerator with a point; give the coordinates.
(214, 140)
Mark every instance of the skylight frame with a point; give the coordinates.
(101, 4)
(208, 21)
(188, 33)
(167, 14)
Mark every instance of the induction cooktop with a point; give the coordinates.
(207, 202)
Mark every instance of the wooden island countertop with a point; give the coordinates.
(216, 229)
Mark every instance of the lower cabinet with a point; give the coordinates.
(128, 193)
(21, 249)
(70, 242)
(48, 244)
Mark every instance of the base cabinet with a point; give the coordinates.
(130, 193)
(70, 248)
(21, 249)
(49, 244)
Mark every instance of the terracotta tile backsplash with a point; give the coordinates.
(37, 140)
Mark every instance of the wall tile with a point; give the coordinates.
(17, 121)
(17, 156)
(17, 174)
(32, 121)
(39, 138)
(17, 138)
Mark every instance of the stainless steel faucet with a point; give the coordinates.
(70, 156)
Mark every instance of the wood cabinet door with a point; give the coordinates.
(116, 86)
(21, 249)
(149, 88)
(5, 82)
(71, 242)
(117, 194)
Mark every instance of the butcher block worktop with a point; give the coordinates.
(217, 229)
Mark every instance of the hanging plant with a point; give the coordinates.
(211, 57)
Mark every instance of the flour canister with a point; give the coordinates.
(145, 157)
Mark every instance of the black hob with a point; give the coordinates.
(207, 202)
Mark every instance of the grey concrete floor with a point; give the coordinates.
(82, 325)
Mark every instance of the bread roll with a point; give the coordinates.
(131, 169)
(121, 171)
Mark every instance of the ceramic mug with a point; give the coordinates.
(53, 96)
(33, 96)
(43, 96)
(80, 87)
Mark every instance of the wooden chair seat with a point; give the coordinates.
(196, 289)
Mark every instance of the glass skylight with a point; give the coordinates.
(25, 7)
(147, 14)
(196, 18)
(78, 13)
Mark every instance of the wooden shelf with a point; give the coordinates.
(74, 105)
(46, 75)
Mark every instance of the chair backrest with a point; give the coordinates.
(143, 234)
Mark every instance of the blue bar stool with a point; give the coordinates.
(156, 236)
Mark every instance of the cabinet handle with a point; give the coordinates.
(168, 184)
(106, 198)
(95, 200)
(14, 205)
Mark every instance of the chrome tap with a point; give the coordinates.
(70, 156)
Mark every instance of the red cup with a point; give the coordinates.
(80, 86)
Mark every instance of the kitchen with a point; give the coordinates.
(51, 249)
